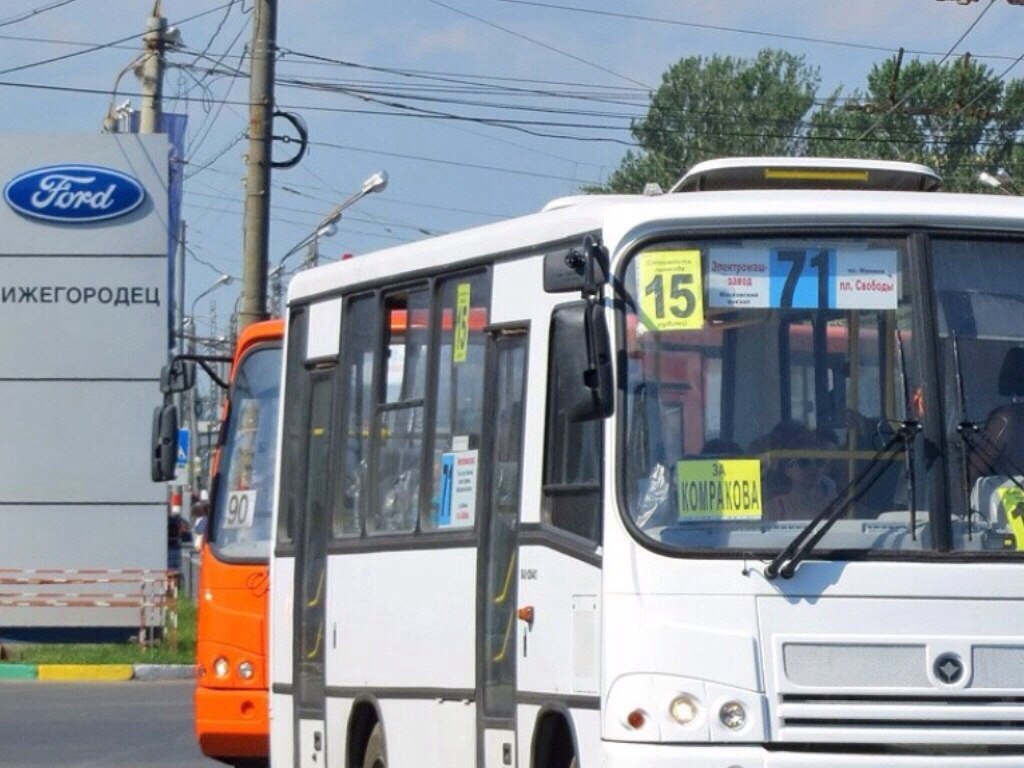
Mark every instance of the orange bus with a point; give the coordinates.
(231, 652)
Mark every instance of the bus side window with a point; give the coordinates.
(458, 410)
(293, 451)
(572, 456)
(358, 344)
(399, 421)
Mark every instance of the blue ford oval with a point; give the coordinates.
(74, 194)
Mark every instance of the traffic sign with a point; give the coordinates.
(183, 442)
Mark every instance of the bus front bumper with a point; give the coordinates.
(232, 723)
(623, 755)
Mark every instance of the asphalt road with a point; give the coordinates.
(98, 725)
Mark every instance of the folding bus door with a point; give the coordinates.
(496, 669)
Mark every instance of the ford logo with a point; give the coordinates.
(74, 194)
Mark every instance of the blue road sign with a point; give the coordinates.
(183, 440)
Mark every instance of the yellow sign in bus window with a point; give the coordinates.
(727, 489)
(460, 343)
(1011, 499)
(671, 290)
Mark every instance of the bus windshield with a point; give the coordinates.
(770, 381)
(763, 377)
(979, 287)
(245, 487)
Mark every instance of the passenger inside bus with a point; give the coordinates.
(1001, 447)
(800, 487)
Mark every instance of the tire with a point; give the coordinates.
(375, 756)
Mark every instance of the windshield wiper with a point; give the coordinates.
(786, 562)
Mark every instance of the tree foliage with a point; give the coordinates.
(959, 117)
(717, 107)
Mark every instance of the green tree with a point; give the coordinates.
(958, 117)
(719, 107)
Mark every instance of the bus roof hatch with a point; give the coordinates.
(807, 173)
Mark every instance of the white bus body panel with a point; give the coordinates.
(336, 716)
(311, 744)
(282, 725)
(559, 654)
(429, 733)
(281, 619)
(433, 645)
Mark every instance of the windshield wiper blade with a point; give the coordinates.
(786, 562)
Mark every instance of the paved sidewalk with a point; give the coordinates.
(96, 672)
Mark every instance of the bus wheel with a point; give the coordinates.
(374, 756)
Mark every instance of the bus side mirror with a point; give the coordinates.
(575, 269)
(177, 376)
(164, 456)
(581, 357)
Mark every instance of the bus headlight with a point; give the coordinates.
(684, 709)
(245, 670)
(221, 667)
(733, 715)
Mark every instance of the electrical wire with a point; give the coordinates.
(732, 30)
(874, 126)
(34, 12)
(104, 46)
(545, 46)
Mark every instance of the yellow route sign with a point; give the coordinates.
(460, 344)
(726, 489)
(671, 290)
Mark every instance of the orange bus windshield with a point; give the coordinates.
(244, 496)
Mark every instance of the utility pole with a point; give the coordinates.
(152, 71)
(257, 182)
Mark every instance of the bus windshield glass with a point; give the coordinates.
(979, 297)
(764, 376)
(244, 503)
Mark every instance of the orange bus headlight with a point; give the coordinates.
(221, 668)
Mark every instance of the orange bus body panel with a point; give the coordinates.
(231, 714)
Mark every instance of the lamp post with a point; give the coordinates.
(1000, 180)
(190, 407)
(222, 280)
(326, 228)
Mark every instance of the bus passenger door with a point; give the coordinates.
(496, 593)
(310, 577)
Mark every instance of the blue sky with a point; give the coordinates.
(381, 60)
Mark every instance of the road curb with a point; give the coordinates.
(164, 671)
(95, 672)
(17, 671)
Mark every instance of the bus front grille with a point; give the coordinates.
(901, 719)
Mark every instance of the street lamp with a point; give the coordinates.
(222, 280)
(327, 227)
(1000, 180)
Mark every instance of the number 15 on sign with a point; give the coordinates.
(671, 291)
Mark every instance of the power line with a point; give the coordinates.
(874, 126)
(34, 12)
(103, 46)
(733, 30)
(455, 163)
(545, 46)
(447, 76)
